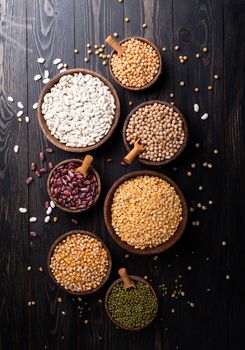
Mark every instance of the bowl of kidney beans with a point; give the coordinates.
(71, 191)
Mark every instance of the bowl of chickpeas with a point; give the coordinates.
(160, 128)
(139, 66)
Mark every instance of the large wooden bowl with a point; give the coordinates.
(119, 280)
(79, 210)
(44, 126)
(126, 246)
(152, 81)
(129, 147)
(58, 240)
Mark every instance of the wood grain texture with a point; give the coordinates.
(53, 28)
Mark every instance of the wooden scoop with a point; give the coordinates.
(83, 169)
(110, 40)
(138, 148)
(127, 282)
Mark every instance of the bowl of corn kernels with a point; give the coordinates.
(79, 262)
(139, 66)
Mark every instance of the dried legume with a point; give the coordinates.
(146, 211)
(132, 308)
(160, 128)
(79, 110)
(71, 189)
(138, 65)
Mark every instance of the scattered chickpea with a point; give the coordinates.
(196, 89)
(104, 63)
(199, 205)
(210, 165)
(192, 305)
(144, 25)
(204, 207)
(126, 20)
(40, 269)
(172, 103)
(65, 65)
(176, 48)
(189, 173)
(90, 52)
(100, 55)
(172, 310)
(88, 45)
(100, 50)
(102, 46)
(210, 87)
(191, 209)
(63, 313)
(130, 103)
(121, 1)
(197, 55)
(59, 300)
(227, 277)
(197, 145)
(108, 56)
(29, 303)
(223, 243)
(193, 165)
(33, 303)
(76, 51)
(115, 35)
(164, 49)
(171, 95)
(96, 46)
(205, 164)
(216, 151)
(86, 59)
(29, 268)
(86, 321)
(182, 83)
(210, 202)
(55, 219)
(197, 223)
(97, 52)
(200, 188)
(185, 58)
(216, 76)
(205, 49)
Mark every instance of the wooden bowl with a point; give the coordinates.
(79, 210)
(149, 162)
(44, 126)
(152, 81)
(119, 280)
(147, 251)
(58, 240)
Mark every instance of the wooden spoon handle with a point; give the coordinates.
(115, 45)
(133, 153)
(83, 169)
(127, 282)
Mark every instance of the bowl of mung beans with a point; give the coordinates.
(145, 212)
(139, 66)
(71, 191)
(132, 309)
(161, 129)
(79, 262)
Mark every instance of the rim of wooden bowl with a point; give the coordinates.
(43, 123)
(180, 150)
(147, 251)
(135, 278)
(58, 240)
(80, 210)
(156, 76)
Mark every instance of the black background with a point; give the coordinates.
(50, 29)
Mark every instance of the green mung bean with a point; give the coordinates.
(132, 308)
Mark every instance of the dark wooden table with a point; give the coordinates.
(210, 314)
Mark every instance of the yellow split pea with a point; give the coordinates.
(138, 65)
(146, 211)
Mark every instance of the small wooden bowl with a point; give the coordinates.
(44, 126)
(79, 210)
(58, 240)
(149, 162)
(119, 280)
(147, 251)
(152, 81)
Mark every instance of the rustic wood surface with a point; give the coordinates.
(213, 283)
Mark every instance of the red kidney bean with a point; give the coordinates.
(49, 150)
(50, 165)
(37, 173)
(71, 189)
(43, 170)
(42, 156)
(33, 166)
(29, 180)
